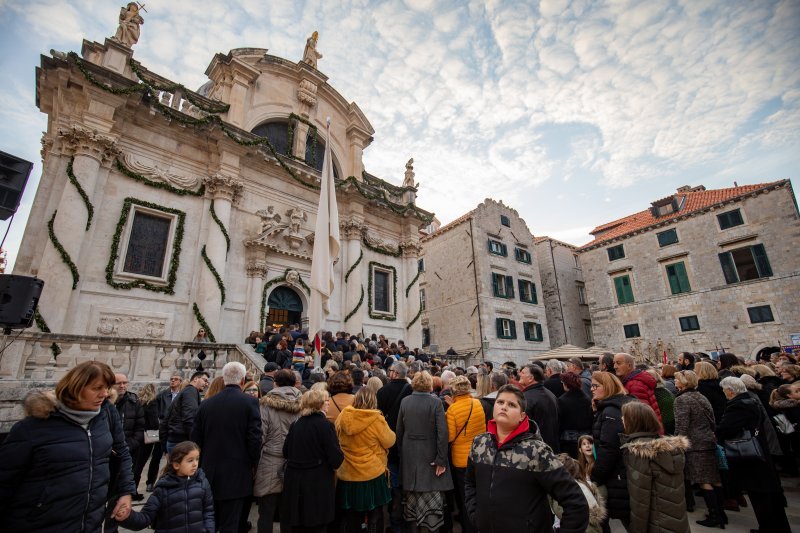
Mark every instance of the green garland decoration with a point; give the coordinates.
(350, 270)
(413, 281)
(380, 249)
(373, 314)
(357, 307)
(82, 192)
(42, 325)
(214, 273)
(384, 199)
(202, 321)
(174, 87)
(158, 184)
(270, 283)
(94, 81)
(62, 252)
(221, 227)
(414, 320)
(176, 249)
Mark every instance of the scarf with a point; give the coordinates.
(82, 418)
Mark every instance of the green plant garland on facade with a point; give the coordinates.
(210, 265)
(413, 281)
(174, 87)
(176, 249)
(221, 227)
(202, 321)
(380, 249)
(62, 252)
(416, 317)
(82, 192)
(94, 81)
(350, 270)
(385, 199)
(270, 283)
(158, 184)
(42, 325)
(357, 307)
(372, 314)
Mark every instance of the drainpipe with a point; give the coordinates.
(558, 291)
(477, 293)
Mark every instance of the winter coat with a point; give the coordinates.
(643, 386)
(389, 398)
(575, 419)
(743, 413)
(365, 439)
(338, 403)
(177, 505)
(487, 402)
(789, 408)
(542, 408)
(131, 413)
(766, 427)
(164, 400)
(609, 468)
(597, 506)
(694, 419)
(507, 485)
(422, 441)
(151, 414)
(554, 385)
(713, 392)
(768, 384)
(312, 455)
(228, 431)
(467, 425)
(54, 474)
(669, 383)
(177, 424)
(279, 409)
(654, 467)
(666, 403)
(266, 384)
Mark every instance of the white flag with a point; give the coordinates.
(326, 244)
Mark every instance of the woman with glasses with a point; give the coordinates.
(201, 336)
(251, 389)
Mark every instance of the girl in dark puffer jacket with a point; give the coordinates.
(182, 499)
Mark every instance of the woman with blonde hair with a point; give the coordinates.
(608, 398)
(312, 455)
(422, 439)
(465, 420)
(365, 439)
(151, 450)
(374, 384)
(708, 386)
(216, 386)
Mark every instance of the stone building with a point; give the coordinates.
(162, 210)
(563, 293)
(480, 287)
(700, 270)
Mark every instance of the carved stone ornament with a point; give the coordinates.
(271, 224)
(78, 140)
(257, 269)
(408, 180)
(152, 170)
(293, 277)
(296, 217)
(47, 145)
(224, 187)
(130, 23)
(281, 234)
(307, 93)
(111, 325)
(351, 228)
(411, 248)
(379, 243)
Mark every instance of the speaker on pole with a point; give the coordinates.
(19, 296)
(14, 174)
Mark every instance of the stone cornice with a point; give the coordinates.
(78, 140)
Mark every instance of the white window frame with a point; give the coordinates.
(422, 301)
(392, 277)
(125, 240)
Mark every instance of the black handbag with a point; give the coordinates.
(744, 447)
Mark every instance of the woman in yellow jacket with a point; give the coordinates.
(365, 439)
(465, 421)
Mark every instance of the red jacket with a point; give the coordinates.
(643, 386)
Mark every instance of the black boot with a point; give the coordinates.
(720, 494)
(689, 495)
(713, 519)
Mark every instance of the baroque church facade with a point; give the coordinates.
(162, 210)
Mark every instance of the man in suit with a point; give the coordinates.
(228, 431)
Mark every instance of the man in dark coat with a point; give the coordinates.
(542, 406)
(268, 380)
(177, 424)
(552, 374)
(389, 398)
(228, 431)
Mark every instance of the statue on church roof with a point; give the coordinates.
(408, 181)
(129, 25)
(310, 54)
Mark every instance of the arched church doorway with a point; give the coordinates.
(284, 307)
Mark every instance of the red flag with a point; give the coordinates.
(317, 344)
(665, 358)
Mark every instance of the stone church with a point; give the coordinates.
(162, 210)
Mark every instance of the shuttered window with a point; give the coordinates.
(689, 323)
(533, 331)
(622, 284)
(760, 314)
(744, 264)
(616, 252)
(527, 291)
(631, 331)
(497, 248)
(730, 219)
(506, 328)
(678, 280)
(502, 286)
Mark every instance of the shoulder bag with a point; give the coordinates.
(782, 424)
(744, 447)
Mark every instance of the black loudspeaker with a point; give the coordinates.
(14, 174)
(19, 296)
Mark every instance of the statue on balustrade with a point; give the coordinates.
(129, 24)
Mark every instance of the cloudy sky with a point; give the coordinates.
(574, 113)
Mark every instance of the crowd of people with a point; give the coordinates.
(381, 437)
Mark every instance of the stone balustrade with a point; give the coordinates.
(27, 362)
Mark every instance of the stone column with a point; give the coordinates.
(224, 191)
(411, 250)
(243, 76)
(70, 218)
(351, 231)
(256, 274)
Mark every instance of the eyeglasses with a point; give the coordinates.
(251, 390)
(596, 386)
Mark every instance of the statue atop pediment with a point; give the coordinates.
(129, 24)
(310, 54)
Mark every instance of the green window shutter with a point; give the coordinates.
(620, 292)
(499, 326)
(534, 299)
(539, 336)
(490, 245)
(762, 263)
(683, 279)
(521, 287)
(628, 289)
(513, 329)
(509, 287)
(674, 286)
(495, 286)
(728, 268)
(504, 249)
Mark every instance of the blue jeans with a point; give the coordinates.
(169, 446)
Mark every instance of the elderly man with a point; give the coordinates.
(637, 382)
(228, 431)
(177, 424)
(575, 365)
(542, 406)
(552, 373)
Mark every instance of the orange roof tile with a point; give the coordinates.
(463, 218)
(692, 201)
